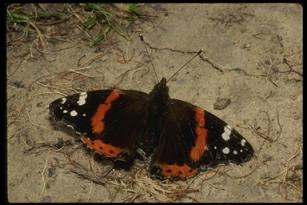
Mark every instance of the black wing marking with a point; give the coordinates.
(225, 144)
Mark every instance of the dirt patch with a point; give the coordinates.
(252, 56)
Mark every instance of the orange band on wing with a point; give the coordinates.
(102, 148)
(97, 119)
(201, 136)
(174, 170)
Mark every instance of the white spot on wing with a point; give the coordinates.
(82, 98)
(84, 114)
(226, 150)
(215, 147)
(63, 100)
(235, 152)
(243, 141)
(227, 132)
(73, 113)
(65, 111)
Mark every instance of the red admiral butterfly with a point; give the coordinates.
(181, 138)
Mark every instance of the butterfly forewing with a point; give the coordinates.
(106, 119)
(225, 144)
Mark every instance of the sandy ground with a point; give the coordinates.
(252, 55)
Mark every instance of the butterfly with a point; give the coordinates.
(180, 138)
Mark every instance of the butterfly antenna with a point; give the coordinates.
(153, 67)
(197, 54)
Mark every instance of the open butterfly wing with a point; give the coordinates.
(191, 137)
(111, 122)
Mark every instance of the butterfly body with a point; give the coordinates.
(180, 137)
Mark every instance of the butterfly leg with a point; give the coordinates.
(125, 162)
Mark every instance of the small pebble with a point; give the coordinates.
(221, 103)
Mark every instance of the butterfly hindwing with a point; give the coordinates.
(180, 148)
